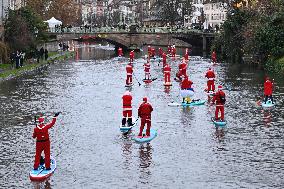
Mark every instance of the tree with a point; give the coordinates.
(65, 10)
(21, 29)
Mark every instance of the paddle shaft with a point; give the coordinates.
(131, 127)
(136, 79)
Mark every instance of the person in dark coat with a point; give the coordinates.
(41, 52)
(17, 58)
(45, 54)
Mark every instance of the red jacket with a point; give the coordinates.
(147, 67)
(174, 51)
(41, 130)
(131, 55)
(169, 49)
(129, 69)
(145, 110)
(186, 84)
(268, 88)
(217, 97)
(167, 69)
(153, 52)
(127, 101)
(120, 53)
(164, 57)
(210, 75)
(213, 56)
(161, 52)
(182, 66)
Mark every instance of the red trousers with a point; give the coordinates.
(214, 60)
(219, 108)
(210, 85)
(128, 79)
(127, 113)
(145, 120)
(167, 77)
(42, 146)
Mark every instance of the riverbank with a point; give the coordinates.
(276, 65)
(8, 72)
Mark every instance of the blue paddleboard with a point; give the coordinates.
(153, 134)
(127, 128)
(268, 104)
(219, 123)
(41, 173)
(194, 103)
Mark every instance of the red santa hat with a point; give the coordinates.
(145, 99)
(41, 119)
(220, 87)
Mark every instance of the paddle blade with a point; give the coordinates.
(174, 104)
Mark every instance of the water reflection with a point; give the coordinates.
(267, 117)
(42, 185)
(127, 151)
(145, 155)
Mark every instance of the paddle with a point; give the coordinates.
(136, 79)
(131, 127)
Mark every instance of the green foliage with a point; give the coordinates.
(257, 31)
(23, 29)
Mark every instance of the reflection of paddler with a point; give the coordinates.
(186, 90)
(145, 155)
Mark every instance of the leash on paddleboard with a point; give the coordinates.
(131, 127)
(136, 79)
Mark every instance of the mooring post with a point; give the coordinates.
(204, 43)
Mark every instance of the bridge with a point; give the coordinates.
(136, 39)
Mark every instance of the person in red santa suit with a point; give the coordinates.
(161, 52)
(153, 52)
(147, 70)
(144, 112)
(127, 109)
(186, 54)
(214, 57)
(131, 56)
(219, 98)
(129, 72)
(167, 74)
(164, 56)
(186, 90)
(182, 70)
(174, 51)
(210, 75)
(149, 51)
(169, 49)
(42, 141)
(120, 52)
(268, 90)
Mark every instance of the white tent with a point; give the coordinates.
(52, 22)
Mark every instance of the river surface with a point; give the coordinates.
(187, 153)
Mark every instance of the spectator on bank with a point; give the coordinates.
(13, 58)
(45, 54)
(41, 53)
(22, 58)
(37, 55)
(17, 58)
(60, 46)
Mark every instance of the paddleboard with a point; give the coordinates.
(41, 173)
(147, 80)
(127, 128)
(194, 103)
(219, 123)
(268, 104)
(153, 134)
(130, 85)
(177, 79)
(168, 84)
(210, 93)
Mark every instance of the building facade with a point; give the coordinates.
(215, 12)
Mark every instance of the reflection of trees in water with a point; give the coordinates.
(127, 152)
(42, 185)
(145, 155)
(267, 117)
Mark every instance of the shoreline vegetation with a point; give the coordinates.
(7, 71)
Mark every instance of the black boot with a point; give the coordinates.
(129, 121)
(183, 100)
(123, 122)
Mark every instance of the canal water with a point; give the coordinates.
(187, 153)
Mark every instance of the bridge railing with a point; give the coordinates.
(93, 30)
